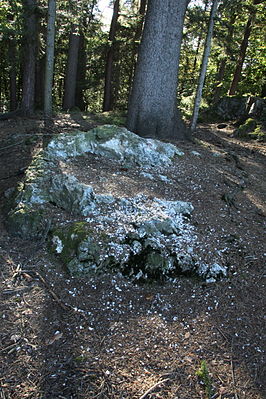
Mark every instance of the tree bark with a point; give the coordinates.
(242, 55)
(81, 74)
(204, 64)
(201, 34)
(82, 58)
(152, 105)
(12, 55)
(109, 66)
(49, 65)
(30, 56)
(222, 66)
(71, 69)
(137, 37)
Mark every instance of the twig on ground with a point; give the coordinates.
(8, 347)
(55, 297)
(233, 376)
(222, 334)
(153, 387)
(51, 292)
(11, 145)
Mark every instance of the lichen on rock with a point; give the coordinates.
(115, 143)
(142, 237)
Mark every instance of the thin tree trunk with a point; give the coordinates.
(199, 39)
(12, 55)
(71, 69)
(219, 79)
(39, 83)
(222, 66)
(49, 66)
(153, 101)
(137, 37)
(109, 66)
(29, 55)
(1, 95)
(242, 55)
(204, 64)
(81, 74)
(82, 59)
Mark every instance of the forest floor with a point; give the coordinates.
(140, 341)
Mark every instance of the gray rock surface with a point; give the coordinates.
(115, 143)
(142, 237)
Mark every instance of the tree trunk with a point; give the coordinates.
(242, 55)
(152, 104)
(29, 55)
(49, 65)
(12, 55)
(108, 89)
(222, 66)
(82, 58)
(71, 69)
(137, 37)
(39, 83)
(81, 74)
(200, 38)
(204, 64)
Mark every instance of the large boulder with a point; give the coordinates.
(116, 143)
(230, 108)
(237, 107)
(141, 236)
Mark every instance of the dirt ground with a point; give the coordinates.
(105, 337)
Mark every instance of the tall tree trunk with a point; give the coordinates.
(137, 37)
(1, 95)
(222, 66)
(29, 56)
(81, 74)
(82, 58)
(204, 64)
(108, 92)
(219, 79)
(12, 55)
(152, 104)
(49, 66)
(39, 83)
(200, 38)
(242, 55)
(71, 69)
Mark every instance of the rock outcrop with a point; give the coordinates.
(142, 237)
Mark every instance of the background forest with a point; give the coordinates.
(94, 63)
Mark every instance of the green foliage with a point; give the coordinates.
(228, 34)
(111, 118)
(205, 378)
(258, 134)
(247, 128)
(231, 19)
(186, 105)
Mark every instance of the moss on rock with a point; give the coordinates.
(26, 222)
(79, 246)
(246, 129)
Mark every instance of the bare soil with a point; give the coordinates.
(105, 337)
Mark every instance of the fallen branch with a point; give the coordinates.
(55, 297)
(153, 387)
